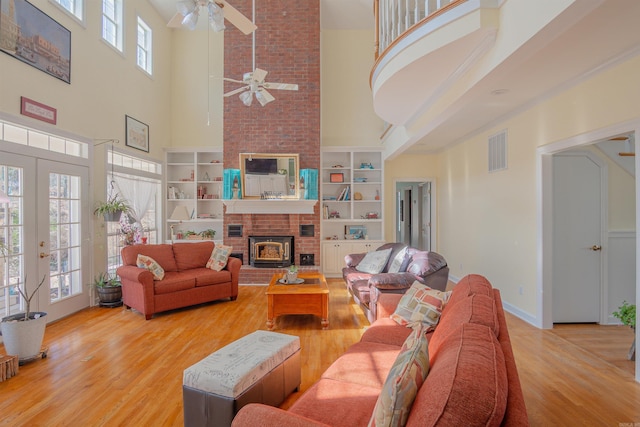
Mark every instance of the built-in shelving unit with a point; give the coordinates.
(194, 187)
(352, 204)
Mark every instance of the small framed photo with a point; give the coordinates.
(336, 177)
(355, 231)
(137, 134)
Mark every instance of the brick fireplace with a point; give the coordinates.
(288, 47)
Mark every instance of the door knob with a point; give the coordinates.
(43, 255)
(596, 248)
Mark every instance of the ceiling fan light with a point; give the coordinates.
(246, 98)
(190, 20)
(216, 17)
(186, 7)
(261, 98)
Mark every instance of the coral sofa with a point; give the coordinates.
(472, 378)
(186, 282)
(428, 268)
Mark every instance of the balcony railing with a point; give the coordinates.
(395, 18)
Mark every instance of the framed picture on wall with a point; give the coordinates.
(137, 134)
(34, 38)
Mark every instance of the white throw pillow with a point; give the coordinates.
(397, 261)
(374, 261)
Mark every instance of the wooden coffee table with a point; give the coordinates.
(310, 297)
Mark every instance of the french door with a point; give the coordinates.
(45, 228)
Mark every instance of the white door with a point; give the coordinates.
(577, 236)
(48, 234)
(426, 216)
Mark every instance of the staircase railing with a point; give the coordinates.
(396, 18)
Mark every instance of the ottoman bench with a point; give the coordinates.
(262, 367)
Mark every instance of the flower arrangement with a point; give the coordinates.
(131, 232)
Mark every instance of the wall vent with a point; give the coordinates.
(498, 151)
(234, 230)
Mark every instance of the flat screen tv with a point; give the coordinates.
(259, 166)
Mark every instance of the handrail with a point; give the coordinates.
(395, 19)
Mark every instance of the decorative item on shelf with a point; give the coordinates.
(365, 165)
(227, 187)
(360, 179)
(302, 189)
(377, 194)
(370, 215)
(236, 186)
(208, 234)
(357, 196)
(206, 177)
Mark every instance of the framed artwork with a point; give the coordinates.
(31, 36)
(336, 177)
(355, 231)
(137, 134)
(36, 110)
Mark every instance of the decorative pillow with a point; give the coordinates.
(152, 265)
(421, 304)
(397, 261)
(405, 262)
(219, 257)
(374, 261)
(403, 381)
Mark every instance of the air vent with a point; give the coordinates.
(234, 230)
(498, 151)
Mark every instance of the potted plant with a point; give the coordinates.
(627, 315)
(109, 289)
(113, 208)
(208, 234)
(23, 333)
(292, 274)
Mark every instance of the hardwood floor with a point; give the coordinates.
(110, 367)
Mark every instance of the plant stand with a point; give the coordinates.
(110, 304)
(41, 355)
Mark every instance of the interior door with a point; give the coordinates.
(576, 238)
(44, 225)
(426, 217)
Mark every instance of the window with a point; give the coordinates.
(74, 7)
(19, 134)
(144, 47)
(138, 180)
(112, 23)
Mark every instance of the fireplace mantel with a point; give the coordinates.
(273, 206)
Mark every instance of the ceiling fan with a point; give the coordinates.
(254, 82)
(628, 141)
(217, 10)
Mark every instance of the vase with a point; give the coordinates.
(23, 338)
(292, 277)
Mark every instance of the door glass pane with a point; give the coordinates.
(64, 236)
(12, 236)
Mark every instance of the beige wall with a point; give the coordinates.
(347, 116)
(487, 223)
(105, 86)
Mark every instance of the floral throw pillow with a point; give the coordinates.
(421, 304)
(150, 264)
(219, 257)
(403, 381)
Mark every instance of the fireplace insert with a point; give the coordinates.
(271, 251)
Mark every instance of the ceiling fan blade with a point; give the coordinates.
(281, 86)
(240, 21)
(235, 91)
(259, 75)
(264, 97)
(226, 79)
(176, 21)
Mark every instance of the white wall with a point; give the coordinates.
(488, 222)
(105, 86)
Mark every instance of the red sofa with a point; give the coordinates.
(472, 378)
(187, 281)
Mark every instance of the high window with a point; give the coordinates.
(144, 55)
(74, 7)
(112, 23)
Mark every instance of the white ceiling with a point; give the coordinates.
(334, 14)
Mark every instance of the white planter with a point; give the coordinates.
(292, 277)
(23, 338)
